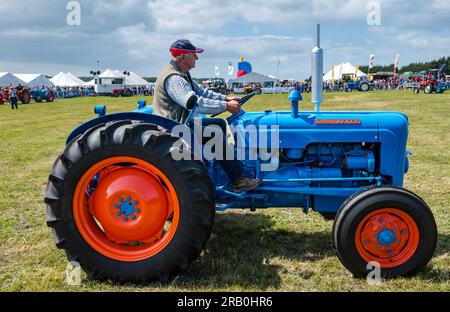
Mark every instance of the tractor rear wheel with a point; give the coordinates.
(25, 97)
(50, 96)
(388, 227)
(128, 93)
(428, 89)
(124, 209)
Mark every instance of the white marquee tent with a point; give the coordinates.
(90, 83)
(110, 73)
(35, 80)
(66, 80)
(253, 78)
(339, 70)
(133, 80)
(136, 81)
(8, 79)
(81, 82)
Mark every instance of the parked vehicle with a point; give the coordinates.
(430, 81)
(43, 94)
(125, 92)
(356, 83)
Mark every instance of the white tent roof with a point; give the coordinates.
(253, 78)
(66, 80)
(89, 83)
(8, 79)
(132, 80)
(35, 80)
(339, 70)
(81, 82)
(110, 73)
(135, 80)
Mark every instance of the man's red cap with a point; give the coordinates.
(183, 46)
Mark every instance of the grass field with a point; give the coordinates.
(268, 250)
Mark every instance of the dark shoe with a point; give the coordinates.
(246, 184)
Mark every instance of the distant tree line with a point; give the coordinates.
(414, 67)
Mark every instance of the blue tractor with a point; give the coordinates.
(352, 82)
(126, 209)
(43, 94)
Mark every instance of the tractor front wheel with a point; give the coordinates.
(124, 209)
(387, 227)
(416, 90)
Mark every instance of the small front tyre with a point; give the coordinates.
(389, 227)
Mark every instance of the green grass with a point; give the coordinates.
(274, 249)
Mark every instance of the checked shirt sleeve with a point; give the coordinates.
(180, 91)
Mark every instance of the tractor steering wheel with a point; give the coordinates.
(241, 102)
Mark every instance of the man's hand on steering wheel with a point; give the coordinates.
(233, 98)
(233, 106)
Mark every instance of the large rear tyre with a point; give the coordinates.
(50, 96)
(124, 209)
(25, 97)
(387, 225)
(428, 89)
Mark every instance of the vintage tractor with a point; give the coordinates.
(217, 85)
(43, 94)
(432, 80)
(355, 83)
(124, 92)
(127, 209)
(22, 93)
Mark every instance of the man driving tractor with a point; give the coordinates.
(176, 93)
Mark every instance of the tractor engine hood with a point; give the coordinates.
(328, 126)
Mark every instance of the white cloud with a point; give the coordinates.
(136, 34)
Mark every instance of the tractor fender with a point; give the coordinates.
(150, 118)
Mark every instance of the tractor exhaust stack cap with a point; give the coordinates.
(317, 72)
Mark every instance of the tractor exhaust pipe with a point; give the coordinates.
(317, 72)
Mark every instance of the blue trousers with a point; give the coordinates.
(234, 169)
(13, 101)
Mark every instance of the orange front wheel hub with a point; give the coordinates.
(388, 236)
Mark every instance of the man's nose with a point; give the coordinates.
(196, 57)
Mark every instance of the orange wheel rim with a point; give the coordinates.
(126, 209)
(388, 236)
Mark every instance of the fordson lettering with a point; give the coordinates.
(338, 121)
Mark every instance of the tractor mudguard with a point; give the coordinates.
(153, 119)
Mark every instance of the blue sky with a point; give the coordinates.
(135, 34)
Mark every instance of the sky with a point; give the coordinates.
(49, 36)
